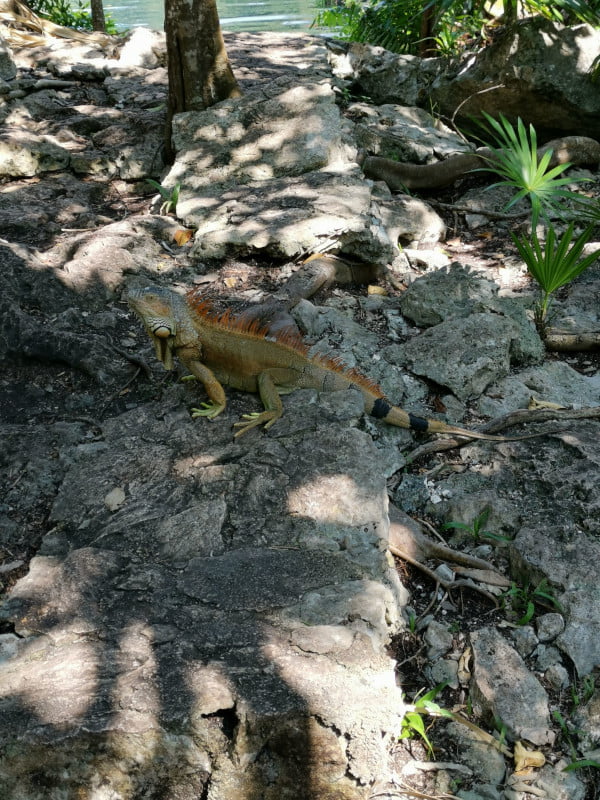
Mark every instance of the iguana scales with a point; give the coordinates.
(242, 353)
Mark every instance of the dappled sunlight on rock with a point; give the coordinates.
(334, 499)
(57, 683)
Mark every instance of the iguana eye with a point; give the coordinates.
(162, 331)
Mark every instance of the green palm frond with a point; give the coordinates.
(557, 262)
(516, 161)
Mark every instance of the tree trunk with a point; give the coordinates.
(199, 70)
(98, 21)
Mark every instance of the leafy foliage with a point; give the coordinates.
(413, 723)
(397, 24)
(169, 196)
(61, 12)
(523, 600)
(476, 529)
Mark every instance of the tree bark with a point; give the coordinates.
(199, 70)
(98, 20)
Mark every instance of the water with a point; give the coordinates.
(235, 15)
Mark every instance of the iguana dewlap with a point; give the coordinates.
(220, 349)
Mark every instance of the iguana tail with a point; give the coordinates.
(380, 408)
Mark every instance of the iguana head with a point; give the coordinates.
(157, 308)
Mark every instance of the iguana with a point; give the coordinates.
(243, 353)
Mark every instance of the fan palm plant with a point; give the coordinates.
(555, 263)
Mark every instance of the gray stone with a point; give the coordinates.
(444, 670)
(143, 47)
(456, 293)
(383, 76)
(199, 644)
(404, 133)
(481, 792)
(546, 656)
(553, 381)
(438, 639)
(541, 72)
(8, 69)
(445, 353)
(549, 626)
(446, 294)
(566, 565)
(407, 220)
(486, 761)
(502, 687)
(560, 785)
(288, 217)
(587, 720)
(25, 154)
(557, 677)
(293, 130)
(525, 640)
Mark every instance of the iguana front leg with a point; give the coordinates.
(213, 388)
(269, 395)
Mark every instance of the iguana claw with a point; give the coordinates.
(208, 410)
(254, 419)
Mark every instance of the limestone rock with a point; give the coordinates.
(383, 76)
(23, 153)
(566, 567)
(446, 294)
(404, 133)
(143, 48)
(8, 69)
(445, 353)
(554, 382)
(486, 762)
(289, 217)
(209, 631)
(540, 72)
(587, 719)
(457, 292)
(502, 687)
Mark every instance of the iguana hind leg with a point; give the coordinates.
(269, 395)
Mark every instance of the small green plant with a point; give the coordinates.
(523, 600)
(424, 705)
(566, 734)
(412, 622)
(500, 726)
(582, 693)
(170, 196)
(476, 528)
(576, 762)
(517, 162)
(555, 263)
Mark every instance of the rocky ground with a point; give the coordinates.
(264, 652)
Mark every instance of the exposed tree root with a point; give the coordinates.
(567, 341)
(506, 421)
(406, 541)
(399, 177)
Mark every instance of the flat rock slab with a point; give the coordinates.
(289, 217)
(205, 616)
(271, 172)
(503, 688)
(446, 355)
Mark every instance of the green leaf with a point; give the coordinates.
(584, 762)
(527, 617)
(164, 193)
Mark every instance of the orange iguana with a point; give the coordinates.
(244, 354)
